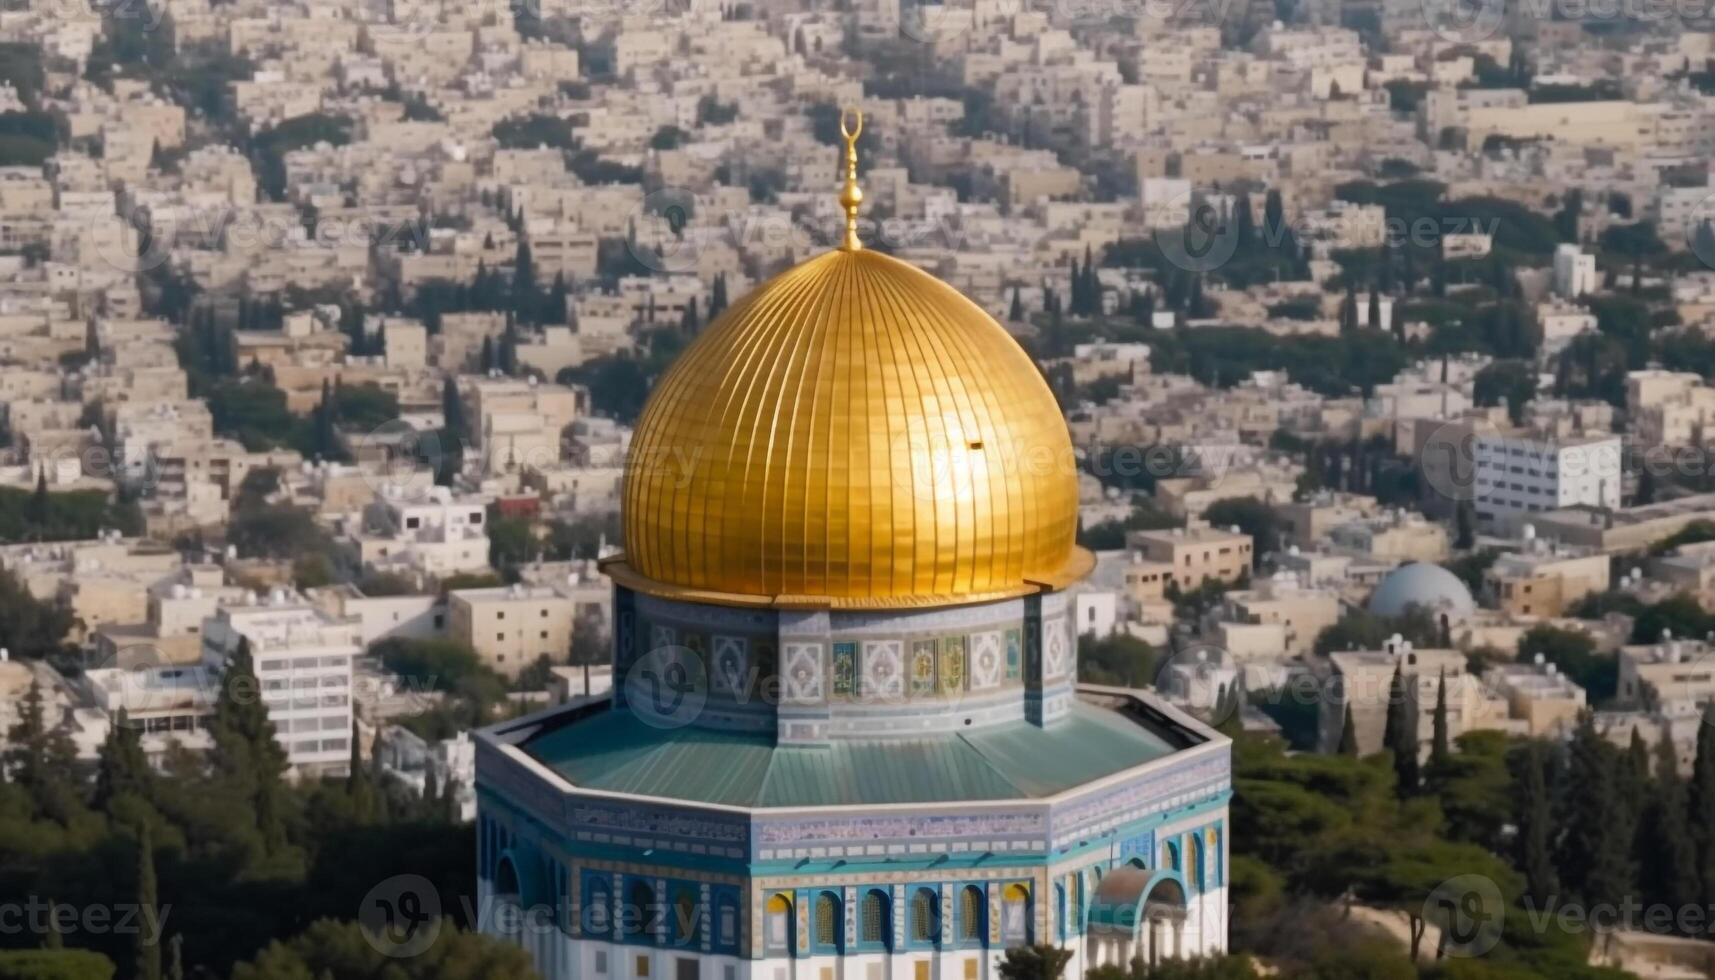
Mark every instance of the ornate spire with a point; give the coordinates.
(851, 195)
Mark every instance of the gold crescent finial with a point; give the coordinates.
(851, 195)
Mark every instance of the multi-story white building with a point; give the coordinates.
(1574, 272)
(303, 660)
(433, 532)
(1517, 474)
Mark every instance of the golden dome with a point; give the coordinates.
(852, 433)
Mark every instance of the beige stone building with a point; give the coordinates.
(511, 627)
(1545, 582)
(1196, 553)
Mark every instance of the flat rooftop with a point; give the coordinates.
(615, 751)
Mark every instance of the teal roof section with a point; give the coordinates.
(616, 752)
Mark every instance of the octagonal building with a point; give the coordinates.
(846, 739)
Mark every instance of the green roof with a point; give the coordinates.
(616, 752)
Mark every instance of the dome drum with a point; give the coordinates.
(808, 676)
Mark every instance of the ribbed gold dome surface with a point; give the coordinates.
(853, 433)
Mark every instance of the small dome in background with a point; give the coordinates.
(1421, 584)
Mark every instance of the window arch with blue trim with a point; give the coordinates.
(1173, 859)
(686, 926)
(641, 915)
(925, 927)
(875, 920)
(778, 926)
(1199, 864)
(828, 929)
(972, 927)
(1060, 911)
(1016, 915)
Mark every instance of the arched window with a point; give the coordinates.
(778, 931)
(925, 916)
(1173, 856)
(598, 906)
(828, 921)
(687, 918)
(970, 914)
(640, 919)
(1060, 911)
(1015, 915)
(875, 925)
(1199, 881)
(1075, 904)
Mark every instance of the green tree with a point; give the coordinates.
(1536, 827)
(340, 951)
(1348, 736)
(122, 767)
(245, 751)
(1595, 856)
(1440, 751)
(1401, 734)
(42, 761)
(54, 964)
(146, 946)
(1039, 962)
(359, 781)
(1701, 803)
(1667, 849)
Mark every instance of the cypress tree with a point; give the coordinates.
(488, 360)
(1667, 853)
(1348, 735)
(1401, 737)
(717, 297)
(145, 943)
(1595, 853)
(358, 786)
(1634, 783)
(122, 767)
(1535, 828)
(1349, 311)
(1374, 313)
(1701, 804)
(245, 752)
(1440, 751)
(1016, 314)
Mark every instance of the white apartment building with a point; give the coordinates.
(432, 532)
(1574, 272)
(303, 661)
(1518, 474)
